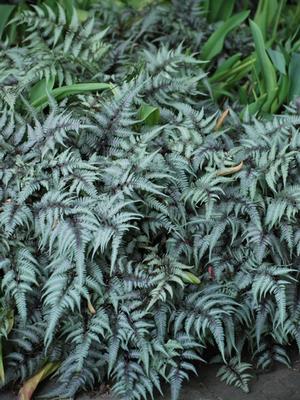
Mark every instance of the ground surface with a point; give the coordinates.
(281, 384)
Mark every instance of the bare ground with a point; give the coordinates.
(280, 384)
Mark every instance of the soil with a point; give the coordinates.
(279, 384)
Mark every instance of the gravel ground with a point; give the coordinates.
(280, 384)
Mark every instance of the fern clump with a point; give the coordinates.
(133, 233)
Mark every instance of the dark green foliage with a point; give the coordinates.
(127, 249)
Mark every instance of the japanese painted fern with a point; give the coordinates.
(128, 247)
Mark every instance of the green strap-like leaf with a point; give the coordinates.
(65, 91)
(29, 387)
(5, 12)
(265, 66)
(265, 13)
(148, 114)
(219, 10)
(214, 45)
(278, 60)
(40, 89)
(191, 278)
(294, 76)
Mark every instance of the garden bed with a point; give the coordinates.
(149, 195)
